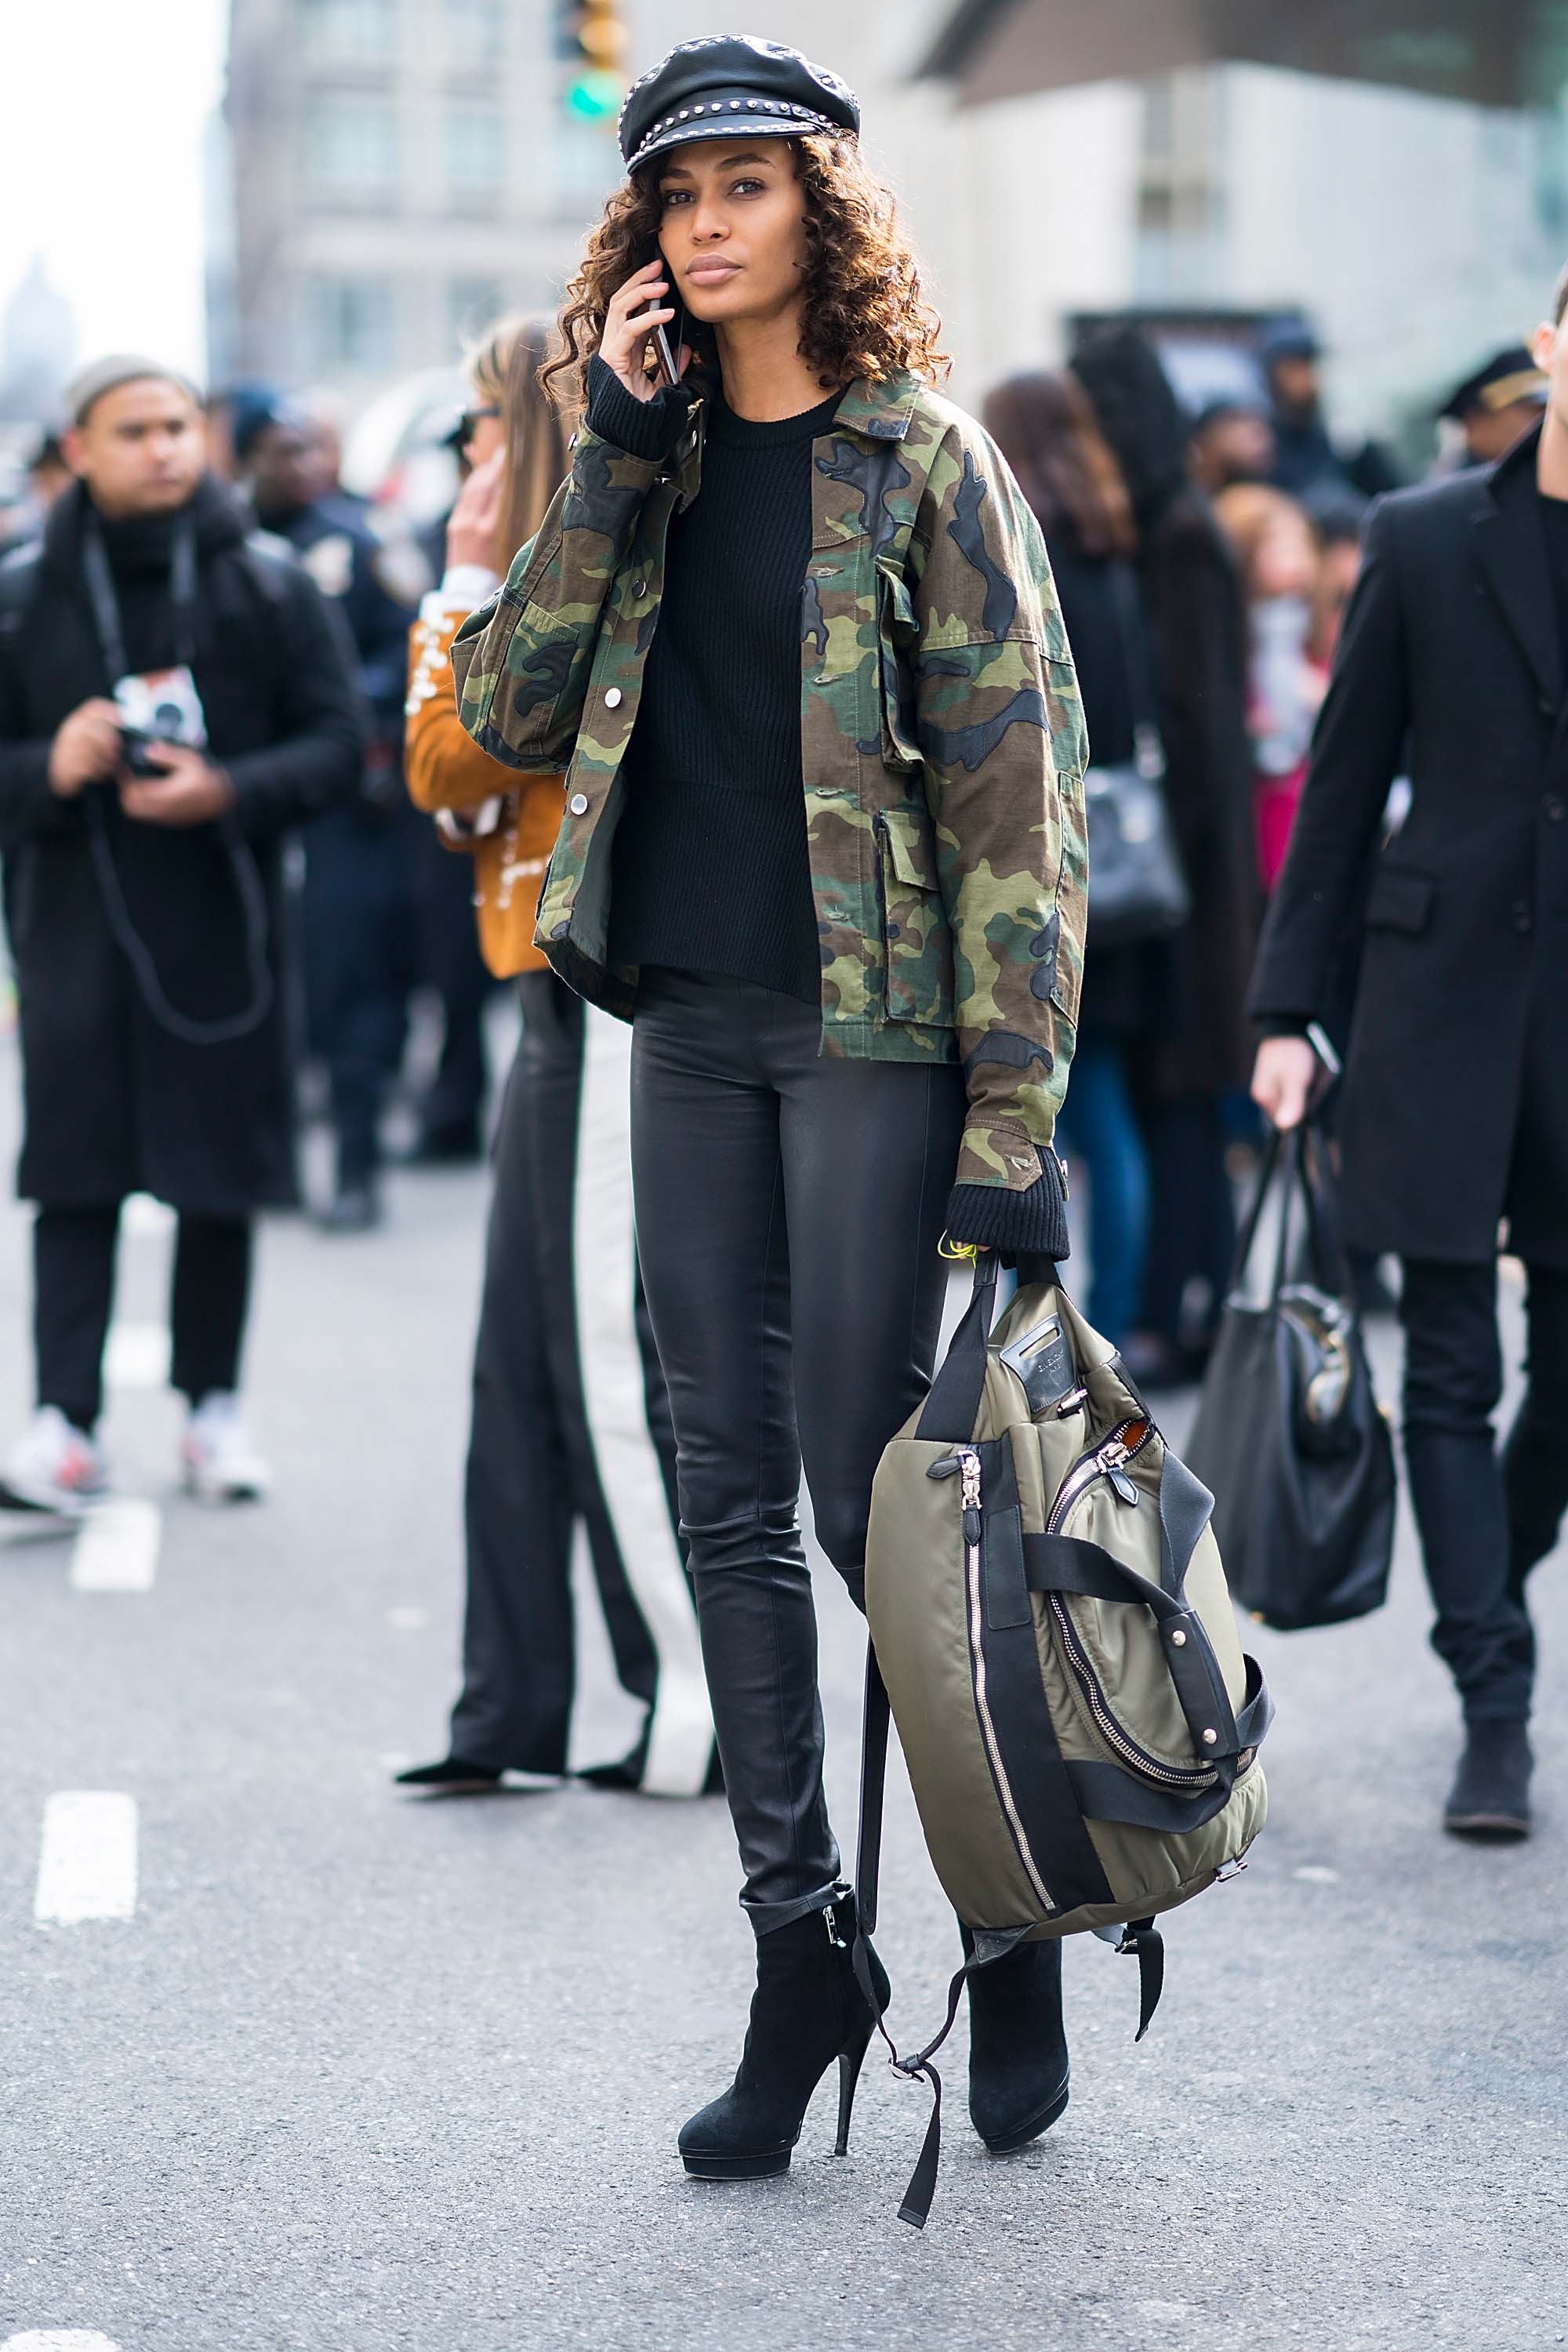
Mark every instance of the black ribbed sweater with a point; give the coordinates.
(710, 869)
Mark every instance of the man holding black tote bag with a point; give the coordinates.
(1454, 1121)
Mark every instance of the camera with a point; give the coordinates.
(135, 743)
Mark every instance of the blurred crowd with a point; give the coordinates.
(1204, 565)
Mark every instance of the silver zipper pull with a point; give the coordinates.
(830, 1920)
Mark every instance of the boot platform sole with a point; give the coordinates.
(1010, 2142)
(716, 2166)
(1496, 1828)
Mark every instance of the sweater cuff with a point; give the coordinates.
(648, 429)
(1030, 1223)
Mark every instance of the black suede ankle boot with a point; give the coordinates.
(1017, 2045)
(807, 2010)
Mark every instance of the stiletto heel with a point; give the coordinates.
(850, 2062)
(807, 2010)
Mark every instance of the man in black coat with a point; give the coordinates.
(1454, 1120)
(141, 883)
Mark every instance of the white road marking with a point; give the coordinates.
(117, 1551)
(137, 1357)
(59, 2339)
(1317, 1874)
(408, 1621)
(87, 1860)
(142, 1215)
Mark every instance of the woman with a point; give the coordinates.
(1272, 540)
(570, 1419)
(1045, 428)
(793, 626)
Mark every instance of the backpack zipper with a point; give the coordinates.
(969, 1466)
(1105, 1461)
(1127, 1438)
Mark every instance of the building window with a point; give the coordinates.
(475, 153)
(351, 147)
(337, 32)
(471, 305)
(350, 325)
(470, 34)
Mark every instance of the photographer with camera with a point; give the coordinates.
(172, 700)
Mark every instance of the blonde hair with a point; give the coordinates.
(503, 368)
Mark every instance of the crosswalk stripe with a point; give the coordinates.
(59, 2339)
(87, 1858)
(117, 1549)
(136, 1357)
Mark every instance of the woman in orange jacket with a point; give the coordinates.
(570, 1423)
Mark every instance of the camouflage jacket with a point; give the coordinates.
(942, 735)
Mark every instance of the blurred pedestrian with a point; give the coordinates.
(1044, 426)
(361, 942)
(49, 473)
(1277, 551)
(1307, 465)
(813, 1065)
(1496, 406)
(1232, 441)
(172, 699)
(1194, 597)
(571, 1423)
(1456, 645)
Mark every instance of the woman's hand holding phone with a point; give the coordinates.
(628, 325)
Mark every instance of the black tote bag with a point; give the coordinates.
(1288, 1435)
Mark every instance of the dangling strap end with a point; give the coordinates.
(1144, 1939)
(916, 2207)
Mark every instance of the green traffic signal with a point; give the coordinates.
(595, 96)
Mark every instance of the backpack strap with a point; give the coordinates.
(952, 1405)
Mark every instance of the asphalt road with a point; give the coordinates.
(356, 2072)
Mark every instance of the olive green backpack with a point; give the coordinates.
(1050, 1624)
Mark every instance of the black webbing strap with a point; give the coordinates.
(1144, 1939)
(873, 1786)
(1042, 1798)
(952, 1405)
(1107, 1793)
(988, 1945)
(1186, 1507)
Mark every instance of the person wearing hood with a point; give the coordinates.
(1197, 614)
(172, 700)
(373, 931)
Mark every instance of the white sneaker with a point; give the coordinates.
(221, 1463)
(53, 1466)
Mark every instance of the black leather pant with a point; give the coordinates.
(1484, 1521)
(788, 1213)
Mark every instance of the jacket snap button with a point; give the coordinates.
(640, 589)
(1178, 1641)
(579, 803)
(613, 699)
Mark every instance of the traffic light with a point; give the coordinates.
(591, 35)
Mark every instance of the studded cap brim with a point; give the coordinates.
(724, 114)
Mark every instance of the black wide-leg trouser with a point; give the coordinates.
(788, 1211)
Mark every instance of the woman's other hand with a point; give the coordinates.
(474, 519)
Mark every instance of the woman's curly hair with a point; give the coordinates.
(866, 311)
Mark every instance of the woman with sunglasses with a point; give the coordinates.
(570, 1422)
(791, 624)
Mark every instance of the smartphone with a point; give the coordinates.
(666, 356)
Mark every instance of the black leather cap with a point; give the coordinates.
(708, 89)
